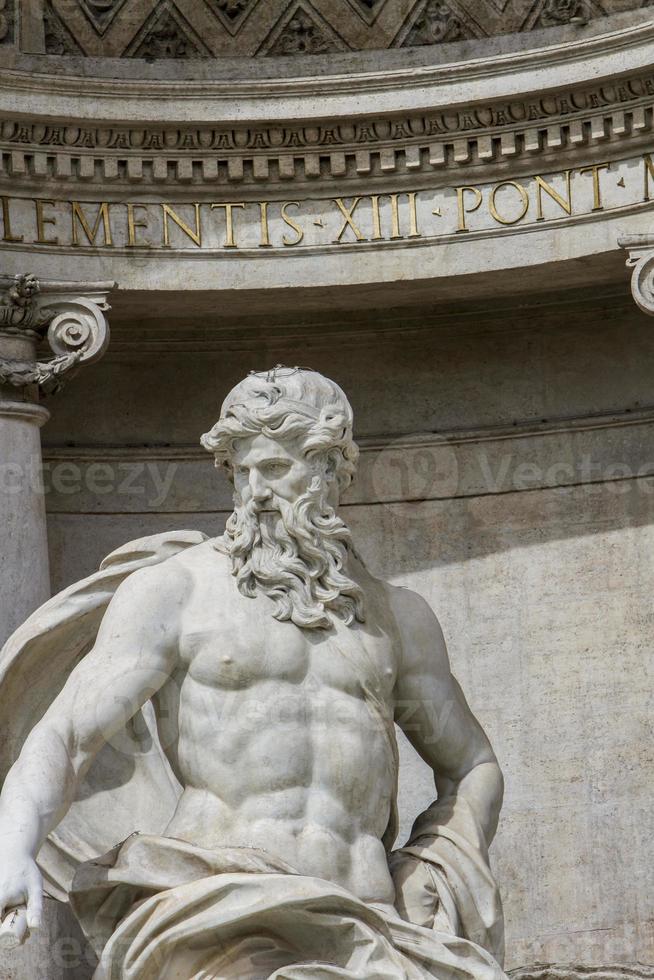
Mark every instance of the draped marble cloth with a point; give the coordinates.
(155, 908)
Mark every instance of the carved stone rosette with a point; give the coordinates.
(69, 315)
(641, 260)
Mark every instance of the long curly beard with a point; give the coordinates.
(297, 556)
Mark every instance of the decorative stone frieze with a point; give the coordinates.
(484, 135)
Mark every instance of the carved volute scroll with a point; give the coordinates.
(70, 316)
(641, 260)
(79, 327)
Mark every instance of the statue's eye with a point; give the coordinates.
(276, 469)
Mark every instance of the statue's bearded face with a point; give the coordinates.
(284, 538)
(269, 474)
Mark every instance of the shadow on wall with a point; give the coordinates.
(396, 538)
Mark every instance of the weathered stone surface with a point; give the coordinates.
(507, 439)
(541, 532)
(280, 615)
(247, 28)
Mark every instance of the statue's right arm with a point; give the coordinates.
(134, 655)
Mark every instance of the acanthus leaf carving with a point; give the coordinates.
(19, 313)
(48, 375)
(557, 13)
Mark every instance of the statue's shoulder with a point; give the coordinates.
(410, 609)
(165, 575)
(209, 556)
(406, 606)
(159, 562)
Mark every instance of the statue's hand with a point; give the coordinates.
(21, 884)
(416, 895)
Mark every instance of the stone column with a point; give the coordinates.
(69, 318)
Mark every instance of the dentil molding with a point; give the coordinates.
(560, 100)
(521, 131)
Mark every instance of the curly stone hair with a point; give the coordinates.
(289, 404)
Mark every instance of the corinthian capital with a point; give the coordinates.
(641, 260)
(69, 315)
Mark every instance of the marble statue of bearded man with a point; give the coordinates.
(225, 708)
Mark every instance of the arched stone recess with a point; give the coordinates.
(434, 170)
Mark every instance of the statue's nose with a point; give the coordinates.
(258, 487)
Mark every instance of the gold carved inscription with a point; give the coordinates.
(42, 220)
(510, 202)
(133, 223)
(354, 230)
(170, 215)
(648, 173)
(292, 223)
(230, 241)
(79, 220)
(7, 235)
(357, 220)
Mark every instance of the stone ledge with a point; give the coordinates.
(502, 75)
(557, 971)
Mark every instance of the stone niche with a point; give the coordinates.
(443, 242)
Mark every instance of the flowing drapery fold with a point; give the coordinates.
(162, 909)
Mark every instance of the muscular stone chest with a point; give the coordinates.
(244, 647)
(293, 709)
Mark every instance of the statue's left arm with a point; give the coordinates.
(434, 714)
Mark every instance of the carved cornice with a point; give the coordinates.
(641, 260)
(335, 124)
(69, 315)
(429, 143)
(479, 77)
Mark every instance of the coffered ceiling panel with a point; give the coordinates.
(196, 29)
